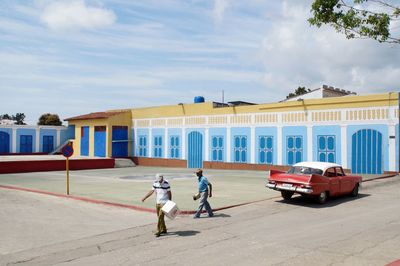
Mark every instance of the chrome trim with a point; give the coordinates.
(293, 188)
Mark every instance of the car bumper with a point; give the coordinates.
(292, 188)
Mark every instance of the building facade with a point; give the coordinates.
(24, 139)
(358, 132)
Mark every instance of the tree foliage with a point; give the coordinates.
(49, 120)
(297, 92)
(18, 118)
(358, 18)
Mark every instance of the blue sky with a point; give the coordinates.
(79, 56)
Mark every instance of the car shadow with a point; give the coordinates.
(330, 202)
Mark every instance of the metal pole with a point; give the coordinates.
(67, 168)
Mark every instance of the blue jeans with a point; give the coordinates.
(204, 203)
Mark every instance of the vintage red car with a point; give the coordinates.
(317, 179)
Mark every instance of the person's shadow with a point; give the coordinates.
(184, 233)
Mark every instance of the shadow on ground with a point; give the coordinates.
(311, 202)
(184, 233)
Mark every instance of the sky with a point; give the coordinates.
(72, 57)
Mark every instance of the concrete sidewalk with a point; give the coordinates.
(128, 185)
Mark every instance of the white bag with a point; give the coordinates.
(170, 209)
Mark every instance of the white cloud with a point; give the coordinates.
(75, 15)
(220, 7)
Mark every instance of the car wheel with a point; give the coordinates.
(322, 197)
(287, 194)
(354, 192)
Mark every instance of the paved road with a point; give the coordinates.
(345, 231)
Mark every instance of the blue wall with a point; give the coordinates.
(294, 131)
(47, 132)
(142, 132)
(31, 132)
(175, 132)
(9, 132)
(327, 130)
(267, 131)
(241, 131)
(383, 129)
(217, 132)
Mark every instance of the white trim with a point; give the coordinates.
(343, 148)
(183, 142)
(150, 154)
(14, 140)
(37, 144)
(279, 146)
(309, 143)
(58, 137)
(252, 147)
(228, 145)
(206, 144)
(392, 147)
(166, 141)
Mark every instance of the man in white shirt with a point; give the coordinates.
(163, 194)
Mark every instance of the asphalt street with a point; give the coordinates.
(345, 231)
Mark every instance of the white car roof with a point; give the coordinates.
(317, 165)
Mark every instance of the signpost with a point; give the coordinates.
(67, 151)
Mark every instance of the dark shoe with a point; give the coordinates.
(196, 217)
(157, 234)
(163, 232)
(210, 215)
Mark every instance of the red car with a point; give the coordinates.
(316, 179)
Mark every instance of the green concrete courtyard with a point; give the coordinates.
(129, 185)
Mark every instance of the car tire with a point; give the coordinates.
(287, 195)
(323, 196)
(354, 192)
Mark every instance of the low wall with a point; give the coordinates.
(160, 162)
(53, 165)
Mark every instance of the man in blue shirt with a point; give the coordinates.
(205, 190)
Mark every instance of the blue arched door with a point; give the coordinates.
(4, 142)
(195, 150)
(367, 152)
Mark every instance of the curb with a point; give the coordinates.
(379, 177)
(121, 205)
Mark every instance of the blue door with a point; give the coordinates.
(294, 146)
(4, 142)
(195, 150)
(367, 152)
(119, 141)
(48, 144)
(100, 141)
(85, 141)
(25, 145)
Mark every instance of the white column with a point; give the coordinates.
(310, 143)
(166, 141)
(392, 147)
(183, 149)
(207, 144)
(228, 145)
(150, 142)
(14, 140)
(252, 146)
(58, 137)
(37, 144)
(134, 139)
(279, 146)
(343, 138)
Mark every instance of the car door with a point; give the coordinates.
(334, 182)
(346, 183)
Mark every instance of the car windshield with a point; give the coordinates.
(303, 170)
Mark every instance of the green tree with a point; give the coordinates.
(357, 18)
(19, 118)
(49, 120)
(6, 116)
(298, 91)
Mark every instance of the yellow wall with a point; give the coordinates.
(375, 100)
(123, 119)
